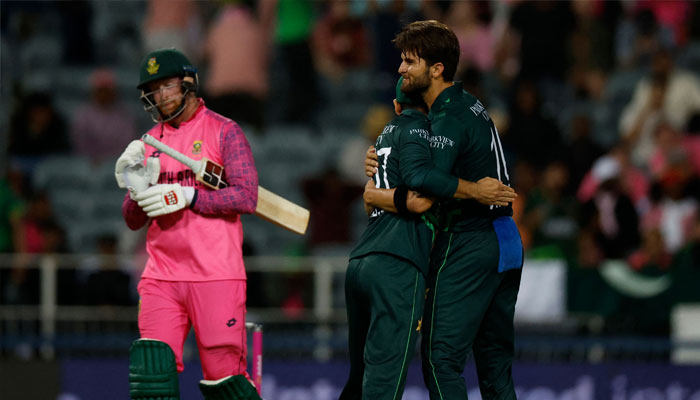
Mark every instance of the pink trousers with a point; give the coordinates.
(216, 309)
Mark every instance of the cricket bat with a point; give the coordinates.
(270, 207)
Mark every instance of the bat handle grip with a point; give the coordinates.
(194, 165)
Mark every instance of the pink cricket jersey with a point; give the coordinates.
(202, 242)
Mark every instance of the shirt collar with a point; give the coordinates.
(445, 97)
(413, 112)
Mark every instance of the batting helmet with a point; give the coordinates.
(166, 63)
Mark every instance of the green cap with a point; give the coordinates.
(164, 63)
(401, 97)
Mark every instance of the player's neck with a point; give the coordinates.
(434, 90)
(191, 106)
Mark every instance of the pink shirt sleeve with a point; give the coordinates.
(133, 214)
(241, 196)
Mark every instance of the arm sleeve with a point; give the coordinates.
(241, 196)
(133, 214)
(418, 170)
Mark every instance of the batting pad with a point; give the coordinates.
(235, 387)
(152, 371)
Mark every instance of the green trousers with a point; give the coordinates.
(469, 306)
(384, 298)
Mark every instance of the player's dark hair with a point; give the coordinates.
(432, 41)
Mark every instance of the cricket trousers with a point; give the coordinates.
(384, 298)
(469, 306)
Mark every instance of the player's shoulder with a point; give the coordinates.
(225, 125)
(412, 118)
(468, 109)
(215, 117)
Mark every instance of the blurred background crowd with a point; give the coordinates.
(597, 104)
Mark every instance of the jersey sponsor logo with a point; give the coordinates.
(231, 322)
(422, 133)
(197, 147)
(478, 108)
(439, 142)
(387, 130)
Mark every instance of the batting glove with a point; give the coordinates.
(139, 177)
(164, 199)
(134, 154)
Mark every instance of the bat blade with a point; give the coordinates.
(281, 212)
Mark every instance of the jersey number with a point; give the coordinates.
(381, 175)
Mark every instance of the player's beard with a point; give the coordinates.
(416, 84)
(169, 107)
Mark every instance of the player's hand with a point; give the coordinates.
(134, 154)
(139, 177)
(417, 203)
(491, 191)
(164, 199)
(371, 163)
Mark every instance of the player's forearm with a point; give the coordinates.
(235, 199)
(422, 175)
(380, 198)
(241, 196)
(133, 215)
(466, 190)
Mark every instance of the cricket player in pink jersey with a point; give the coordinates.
(194, 276)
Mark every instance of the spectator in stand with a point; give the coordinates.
(639, 36)
(609, 215)
(237, 49)
(173, 24)
(550, 212)
(675, 203)
(340, 42)
(532, 137)
(103, 126)
(37, 129)
(591, 42)
(294, 74)
(652, 253)
(38, 233)
(669, 94)
(476, 41)
(543, 28)
(634, 182)
(582, 150)
(638, 135)
(672, 144)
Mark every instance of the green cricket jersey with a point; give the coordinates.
(404, 155)
(465, 142)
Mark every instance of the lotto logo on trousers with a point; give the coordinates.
(170, 198)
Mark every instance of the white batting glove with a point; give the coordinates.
(164, 199)
(139, 177)
(134, 154)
